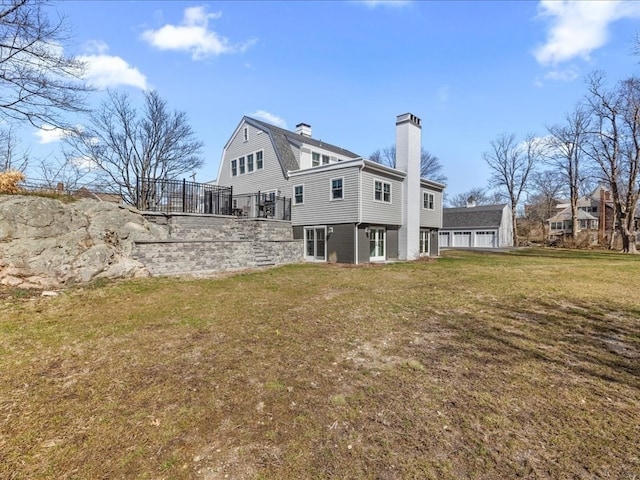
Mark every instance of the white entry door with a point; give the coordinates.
(315, 243)
(377, 247)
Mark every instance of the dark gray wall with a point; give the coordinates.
(433, 244)
(363, 245)
(392, 243)
(340, 244)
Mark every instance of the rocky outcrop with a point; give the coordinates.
(45, 243)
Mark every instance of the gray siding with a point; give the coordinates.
(431, 218)
(269, 178)
(318, 208)
(381, 212)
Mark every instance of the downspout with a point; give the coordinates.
(359, 222)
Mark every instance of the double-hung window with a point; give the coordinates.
(250, 163)
(336, 189)
(242, 165)
(325, 159)
(234, 168)
(259, 160)
(428, 201)
(382, 191)
(298, 194)
(315, 159)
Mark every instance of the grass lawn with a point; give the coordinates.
(477, 365)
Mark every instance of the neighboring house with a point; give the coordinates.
(346, 208)
(484, 226)
(595, 216)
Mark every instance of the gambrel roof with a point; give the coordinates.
(283, 140)
(482, 216)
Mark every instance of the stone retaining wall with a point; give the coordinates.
(202, 244)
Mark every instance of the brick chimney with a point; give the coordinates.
(408, 148)
(303, 129)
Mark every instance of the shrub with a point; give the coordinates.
(9, 181)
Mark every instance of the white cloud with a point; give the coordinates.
(579, 27)
(270, 118)
(558, 75)
(104, 71)
(49, 134)
(83, 163)
(194, 36)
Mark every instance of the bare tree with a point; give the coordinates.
(127, 145)
(566, 146)
(11, 158)
(511, 164)
(478, 195)
(38, 82)
(615, 148)
(65, 174)
(547, 186)
(430, 166)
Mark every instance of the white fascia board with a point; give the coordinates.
(425, 182)
(326, 168)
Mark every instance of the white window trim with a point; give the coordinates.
(382, 200)
(294, 194)
(427, 234)
(433, 201)
(255, 159)
(246, 164)
(331, 199)
(253, 162)
(314, 228)
(245, 134)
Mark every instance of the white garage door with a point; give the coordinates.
(444, 239)
(461, 239)
(487, 239)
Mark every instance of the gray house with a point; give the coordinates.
(346, 208)
(484, 226)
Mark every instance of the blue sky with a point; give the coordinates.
(469, 69)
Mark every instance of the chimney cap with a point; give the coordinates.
(303, 129)
(408, 117)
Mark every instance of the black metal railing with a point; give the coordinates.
(191, 197)
(159, 195)
(261, 205)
